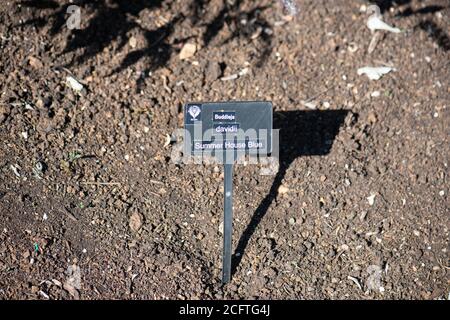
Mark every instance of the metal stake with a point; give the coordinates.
(227, 222)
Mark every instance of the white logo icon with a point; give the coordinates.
(194, 111)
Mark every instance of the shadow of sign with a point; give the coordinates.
(385, 5)
(302, 133)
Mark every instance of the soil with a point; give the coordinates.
(93, 207)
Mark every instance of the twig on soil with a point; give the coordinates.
(155, 181)
(44, 295)
(70, 215)
(355, 281)
(285, 288)
(154, 193)
(373, 42)
(101, 183)
(319, 94)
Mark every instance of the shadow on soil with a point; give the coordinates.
(436, 34)
(385, 5)
(113, 20)
(302, 133)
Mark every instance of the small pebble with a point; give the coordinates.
(132, 42)
(243, 72)
(268, 31)
(187, 51)
(371, 199)
(230, 77)
(135, 222)
(73, 83)
(283, 189)
(310, 105)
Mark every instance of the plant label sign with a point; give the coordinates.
(227, 130)
(230, 128)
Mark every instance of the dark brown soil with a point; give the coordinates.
(76, 169)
